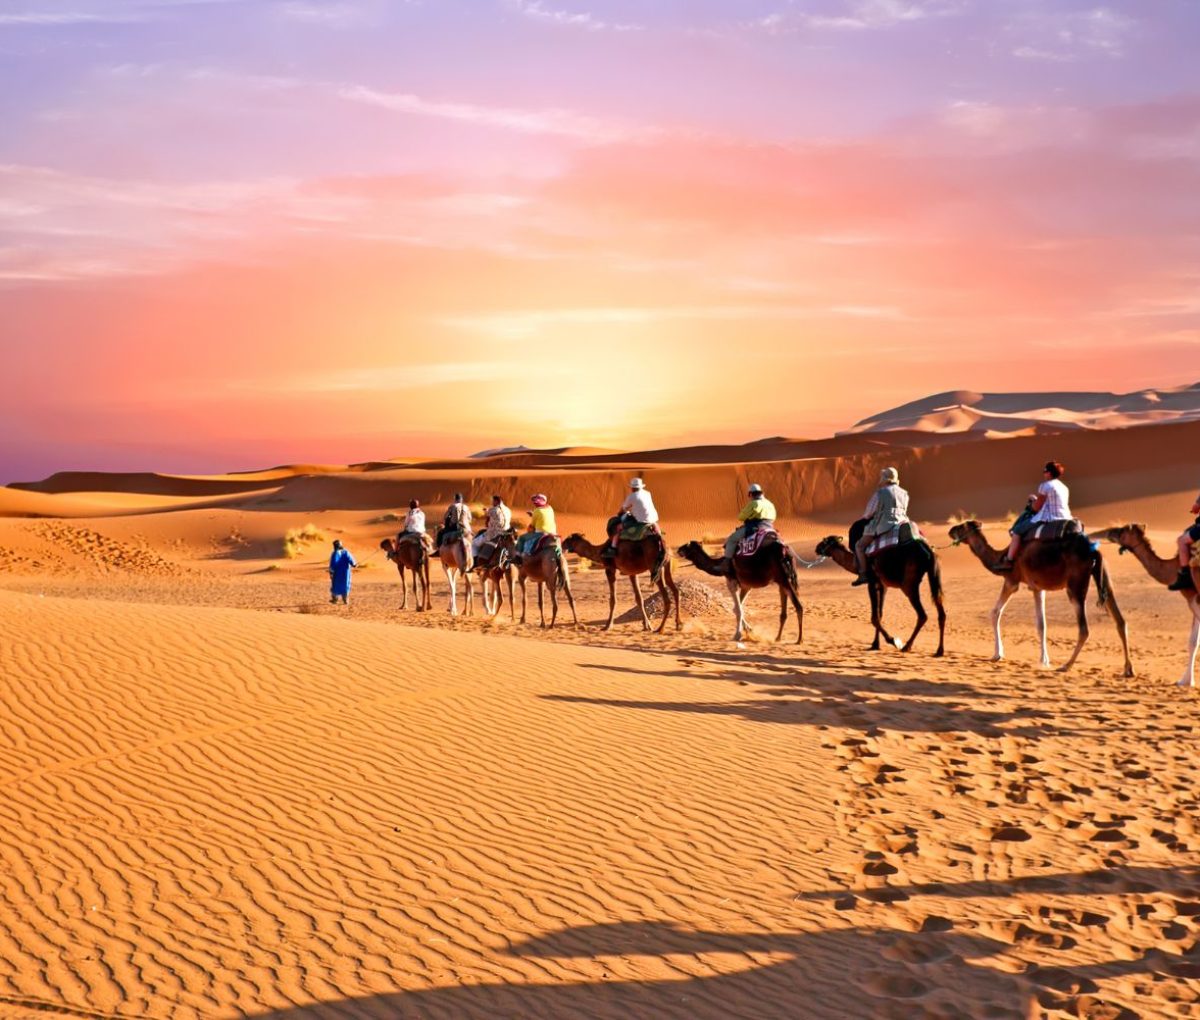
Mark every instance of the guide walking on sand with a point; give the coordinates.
(340, 565)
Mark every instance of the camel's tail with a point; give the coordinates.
(935, 578)
(789, 566)
(561, 582)
(1100, 576)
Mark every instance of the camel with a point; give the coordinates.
(1043, 566)
(415, 557)
(632, 558)
(547, 567)
(1132, 538)
(455, 554)
(772, 563)
(494, 575)
(903, 567)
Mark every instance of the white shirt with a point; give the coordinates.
(1058, 502)
(640, 505)
(499, 520)
(414, 520)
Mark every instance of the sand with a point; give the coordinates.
(225, 797)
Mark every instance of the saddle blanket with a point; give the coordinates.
(899, 535)
(525, 548)
(411, 536)
(1052, 530)
(635, 532)
(749, 545)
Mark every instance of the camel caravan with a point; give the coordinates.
(1048, 550)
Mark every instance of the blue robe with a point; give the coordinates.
(339, 572)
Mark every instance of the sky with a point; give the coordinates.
(236, 233)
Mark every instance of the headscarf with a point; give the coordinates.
(889, 476)
(540, 500)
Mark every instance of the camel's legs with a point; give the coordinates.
(452, 580)
(739, 610)
(1039, 622)
(570, 594)
(521, 581)
(541, 610)
(913, 591)
(512, 603)
(611, 575)
(798, 606)
(470, 592)
(668, 576)
(404, 589)
(552, 588)
(783, 600)
(1078, 600)
(878, 593)
(1110, 603)
(941, 618)
(662, 590)
(1006, 593)
(1189, 672)
(427, 584)
(641, 603)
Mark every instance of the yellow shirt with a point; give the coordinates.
(543, 520)
(760, 509)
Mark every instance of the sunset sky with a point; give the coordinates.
(244, 232)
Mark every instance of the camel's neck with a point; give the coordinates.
(983, 550)
(588, 551)
(702, 561)
(843, 557)
(1163, 571)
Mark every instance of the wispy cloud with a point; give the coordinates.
(857, 15)
(390, 378)
(1068, 36)
(559, 122)
(539, 11)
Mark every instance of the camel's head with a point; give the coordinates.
(829, 544)
(1127, 536)
(388, 545)
(689, 551)
(571, 542)
(961, 532)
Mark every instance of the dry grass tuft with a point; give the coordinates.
(297, 540)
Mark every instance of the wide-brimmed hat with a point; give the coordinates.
(889, 476)
(755, 488)
(636, 483)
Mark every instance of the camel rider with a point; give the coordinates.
(1051, 502)
(541, 522)
(886, 509)
(458, 518)
(638, 505)
(756, 514)
(1190, 536)
(340, 565)
(414, 523)
(498, 521)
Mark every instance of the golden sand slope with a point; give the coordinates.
(221, 812)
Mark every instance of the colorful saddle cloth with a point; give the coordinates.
(530, 545)
(902, 534)
(635, 532)
(1051, 530)
(749, 545)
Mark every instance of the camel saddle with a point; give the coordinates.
(1053, 530)
(635, 532)
(901, 534)
(410, 536)
(544, 542)
(761, 536)
(446, 536)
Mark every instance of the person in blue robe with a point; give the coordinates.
(340, 565)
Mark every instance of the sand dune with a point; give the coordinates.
(1063, 411)
(298, 816)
